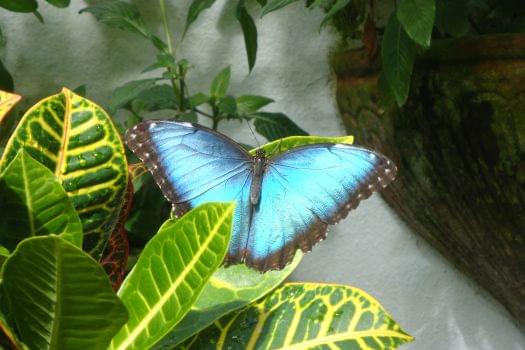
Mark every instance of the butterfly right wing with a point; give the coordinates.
(194, 165)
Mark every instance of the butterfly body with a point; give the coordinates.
(259, 163)
(283, 202)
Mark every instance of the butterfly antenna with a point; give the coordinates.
(254, 136)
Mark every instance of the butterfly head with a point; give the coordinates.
(260, 153)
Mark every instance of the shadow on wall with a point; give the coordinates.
(433, 301)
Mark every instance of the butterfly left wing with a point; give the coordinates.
(305, 190)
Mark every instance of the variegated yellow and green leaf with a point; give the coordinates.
(7, 101)
(33, 203)
(171, 272)
(228, 289)
(305, 316)
(78, 142)
(284, 144)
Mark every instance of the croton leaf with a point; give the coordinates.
(275, 126)
(78, 142)
(305, 316)
(7, 101)
(6, 80)
(33, 203)
(283, 145)
(228, 289)
(60, 297)
(171, 272)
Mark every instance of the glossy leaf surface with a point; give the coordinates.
(7, 101)
(275, 126)
(417, 17)
(78, 142)
(229, 289)
(19, 5)
(33, 203)
(305, 316)
(59, 3)
(249, 31)
(171, 272)
(282, 145)
(221, 82)
(398, 54)
(60, 297)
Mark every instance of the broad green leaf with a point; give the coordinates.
(338, 6)
(8, 338)
(6, 80)
(171, 272)
(81, 90)
(198, 99)
(305, 316)
(33, 203)
(7, 101)
(155, 98)
(124, 94)
(274, 5)
(60, 297)
(452, 17)
(19, 5)
(220, 83)
(398, 54)
(417, 17)
(283, 145)
(228, 289)
(59, 3)
(196, 7)
(78, 142)
(275, 126)
(227, 105)
(252, 103)
(118, 14)
(4, 254)
(249, 31)
(190, 116)
(150, 209)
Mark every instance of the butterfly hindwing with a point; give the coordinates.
(306, 189)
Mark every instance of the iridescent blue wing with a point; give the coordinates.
(305, 190)
(193, 165)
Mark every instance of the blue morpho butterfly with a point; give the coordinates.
(283, 203)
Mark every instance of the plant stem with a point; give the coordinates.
(179, 94)
(166, 26)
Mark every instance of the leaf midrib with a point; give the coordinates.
(165, 297)
(58, 309)
(345, 336)
(29, 199)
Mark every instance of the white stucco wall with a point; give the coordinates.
(372, 249)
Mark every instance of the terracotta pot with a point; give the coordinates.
(459, 143)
